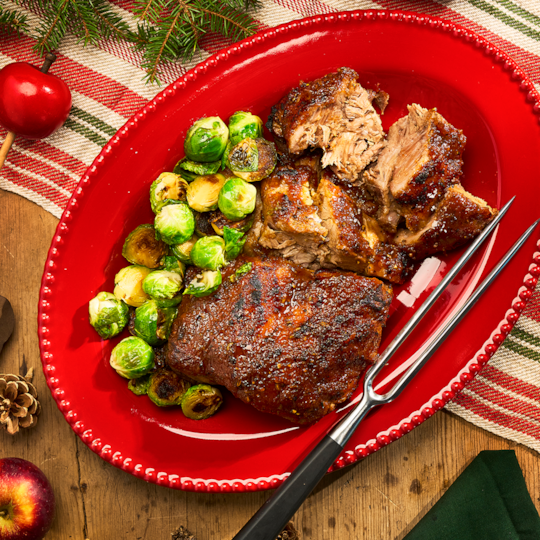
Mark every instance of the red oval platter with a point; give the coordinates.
(416, 59)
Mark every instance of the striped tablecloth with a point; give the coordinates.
(107, 87)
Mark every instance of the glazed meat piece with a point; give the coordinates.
(288, 341)
(334, 113)
(421, 160)
(459, 217)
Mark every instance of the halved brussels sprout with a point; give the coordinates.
(128, 285)
(172, 264)
(189, 170)
(206, 139)
(244, 124)
(242, 271)
(175, 223)
(164, 287)
(108, 314)
(203, 192)
(209, 253)
(237, 199)
(234, 242)
(182, 251)
(167, 388)
(140, 386)
(167, 186)
(252, 159)
(153, 323)
(141, 247)
(218, 221)
(132, 358)
(204, 284)
(201, 401)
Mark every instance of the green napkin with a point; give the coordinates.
(489, 501)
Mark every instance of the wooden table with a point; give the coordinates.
(382, 497)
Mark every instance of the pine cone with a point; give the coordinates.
(19, 406)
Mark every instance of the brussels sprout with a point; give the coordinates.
(242, 271)
(206, 139)
(237, 199)
(164, 287)
(128, 285)
(234, 242)
(218, 221)
(204, 284)
(182, 251)
(203, 225)
(153, 323)
(140, 386)
(252, 159)
(189, 170)
(209, 253)
(244, 124)
(143, 248)
(132, 358)
(108, 314)
(175, 223)
(167, 186)
(172, 264)
(167, 388)
(201, 401)
(203, 192)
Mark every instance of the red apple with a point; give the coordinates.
(26, 501)
(33, 104)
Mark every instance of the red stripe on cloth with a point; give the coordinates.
(532, 311)
(48, 192)
(497, 417)
(43, 148)
(102, 89)
(501, 399)
(23, 161)
(306, 8)
(513, 384)
(527, 61)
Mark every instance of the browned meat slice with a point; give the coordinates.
(282, 338)
(459, 217)
(420, 161)
(334, 113)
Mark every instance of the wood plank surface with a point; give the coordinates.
(382, 497)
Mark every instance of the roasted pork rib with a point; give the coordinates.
(285, 339)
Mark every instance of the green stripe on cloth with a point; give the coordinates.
(505, 18)
(86, 132)
(520, 349)
(523, 335)
(93, 120)
(518, 10)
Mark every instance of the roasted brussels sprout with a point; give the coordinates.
(132, 358)
(203, 225)
(237, 199)
(167, 186)
(128, 285)
(218, 221)
(234, 242)
(201, 401)
(164, 287)
(206, 139)
(244, 124)
(172, 264)
(182, 251)
(153, 323)
(203, 192)
(252, 159)
(167, 388)
(242, 271)
(189, 170)
(204, 284)
(141, 247)
(209, 253)
(175, 223)
(108, 314)
(140, 386)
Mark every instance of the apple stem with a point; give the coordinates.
(6, 145)
(49, 59)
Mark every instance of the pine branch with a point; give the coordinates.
(11, 21)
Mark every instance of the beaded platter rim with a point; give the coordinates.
(348, 457)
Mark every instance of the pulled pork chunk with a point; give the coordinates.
(334, 113)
